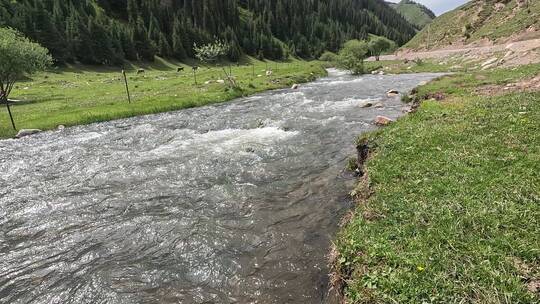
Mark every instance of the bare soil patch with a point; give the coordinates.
(528, 85)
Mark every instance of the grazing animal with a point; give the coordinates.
(180, 69)
(140, 71)
(195, 68)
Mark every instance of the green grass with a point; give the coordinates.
(454, 215)
(414, 13)
(81, 94)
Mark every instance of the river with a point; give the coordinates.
(231, 203)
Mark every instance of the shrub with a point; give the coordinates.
(329, 57)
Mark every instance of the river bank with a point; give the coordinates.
(79, 95)
(448, 209)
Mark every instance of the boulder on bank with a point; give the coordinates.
(383, 121)
(295, 87)
(27, 132)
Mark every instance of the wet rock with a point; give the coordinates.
(378, 105)
(392, 93)
(27, 132)
(381, 73)
(383, 121)
(295, 87)
(366, 105)
(61, 127)
(250, 150)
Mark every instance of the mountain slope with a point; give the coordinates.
(109, 31)
(481, 22)
(416, 13)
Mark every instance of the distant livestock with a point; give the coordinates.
(140, 71)
(180, 69)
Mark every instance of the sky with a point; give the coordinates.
(440, 6)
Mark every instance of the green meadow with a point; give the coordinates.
(75, 95)
(450, 209)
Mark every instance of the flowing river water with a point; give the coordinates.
(231, 203)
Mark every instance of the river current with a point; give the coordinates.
(231, 203)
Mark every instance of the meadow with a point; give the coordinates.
(449, 211)
(75, 95)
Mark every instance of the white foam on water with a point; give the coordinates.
(227, 140)
(341, 104)
(332, 72)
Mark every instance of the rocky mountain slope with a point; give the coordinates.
(416, 13)
(481, 23)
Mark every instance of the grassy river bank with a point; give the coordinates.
(449, 210)
(78, 95)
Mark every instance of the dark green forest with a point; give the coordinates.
(111, 31)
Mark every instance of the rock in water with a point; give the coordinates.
(367, 105)
(392, 93)
(295, 86)
(27, 132)
(383, 121)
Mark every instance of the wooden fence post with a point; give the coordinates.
(127, 87)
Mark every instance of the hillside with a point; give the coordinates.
(110, 31)
(416, 13)
(481, 22)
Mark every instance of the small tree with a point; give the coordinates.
(18, 57)
(352, 55)
(379, 45)
(211, 52)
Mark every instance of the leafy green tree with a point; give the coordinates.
(379, 45)
(18, 57)
(352, 55)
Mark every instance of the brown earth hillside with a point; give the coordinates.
(481, 23)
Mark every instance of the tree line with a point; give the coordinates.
(111, 31)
